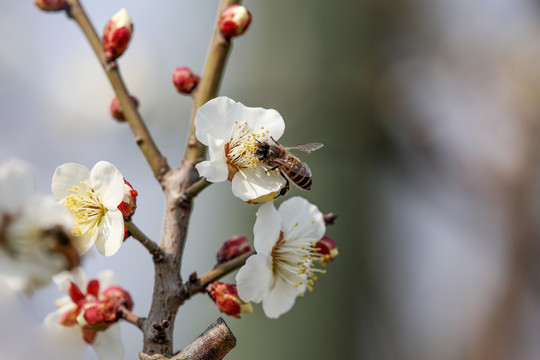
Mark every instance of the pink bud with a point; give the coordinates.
(117, 34)
(234, 21)
(129, 202)
(75, 293)
(232, 248)
(51, 5)
(97, 316)
(116, 110)
(326, 249)
(185, 80)
(93, 287)
(227, 300)
(118, 296)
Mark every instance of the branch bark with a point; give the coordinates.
(208, 86)
(153, 156)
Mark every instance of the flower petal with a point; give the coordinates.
(109, 242)
(257, 119)
(16, 185)
(108, 183)
(66, 176)
(84, 242)
(106, 279)
(216, 169)
(212, 118)
(258, 183)
(267, 228)
(108, 344)
(255, 278)
(280, 299)
(77, 276)
(301, 219)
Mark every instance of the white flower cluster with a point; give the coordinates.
(285, 239)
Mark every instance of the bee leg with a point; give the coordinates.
(287, 186)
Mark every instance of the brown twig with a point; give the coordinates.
(157, 162)
(195, 285)
(194, 190)
(131, 318)
(208, 87)
(151, 246)
(213, 344)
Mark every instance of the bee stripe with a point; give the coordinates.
(305, 181)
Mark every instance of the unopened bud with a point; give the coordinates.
(116, 110)
(51, 5)
(234, 21)
(185, 80)
(129, 202)
(97, 315)
(326, 249)
(118, 296)
(232, 248)
(227, 300)
(117, 34)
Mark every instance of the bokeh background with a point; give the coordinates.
(428, 110)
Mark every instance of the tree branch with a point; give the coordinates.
(216, 341)
(131, 318)
(157, 162)
(208, 86)
(196, 285)
(151, 246)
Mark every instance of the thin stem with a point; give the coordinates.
(208, 87)
(131, 318)
(150, 245)
(157, 162)
(194, 286)
(194, 190)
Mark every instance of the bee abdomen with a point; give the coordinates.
(303, 182)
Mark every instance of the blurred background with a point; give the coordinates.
(428, 110)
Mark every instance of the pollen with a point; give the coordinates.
(86, 208)
(294, 257)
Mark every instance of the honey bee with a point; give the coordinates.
(278, 157)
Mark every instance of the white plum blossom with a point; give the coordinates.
(34, 241)
(284, 265)
(233, 133)
(66, 323)
(93, 198)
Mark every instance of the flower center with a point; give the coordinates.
(293, 260)
(86, 208)
(243, 144)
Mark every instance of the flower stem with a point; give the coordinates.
(208, 87)
(194, 286)
(157, 162)
(130, 317)
(150, 245)
(194, 190)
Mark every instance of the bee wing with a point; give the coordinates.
(307, 148)
(294, 165)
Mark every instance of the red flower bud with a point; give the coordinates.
(227, 300)
(185, 80)
(326, 249)
(116, 110)
(75, 293)
(51, 5)
(118, 296)
(234, 21)
(117, 34)
(232, 248)
(129, 202)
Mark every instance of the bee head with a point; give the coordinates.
(262, 150)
